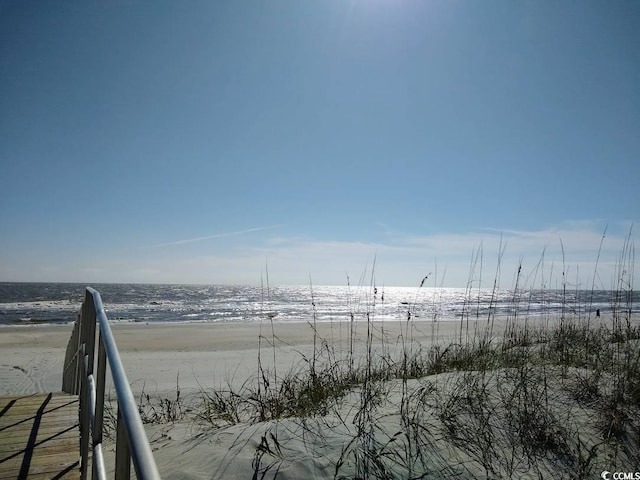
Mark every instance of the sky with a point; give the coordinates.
(320, 141)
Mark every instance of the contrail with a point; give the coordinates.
(209, 237)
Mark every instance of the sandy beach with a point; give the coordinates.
(387, 427)
(200, 354)
(159, 358)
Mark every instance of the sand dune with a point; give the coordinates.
(468, 421)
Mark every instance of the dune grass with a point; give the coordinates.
(510, 397)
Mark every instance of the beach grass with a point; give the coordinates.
(504, 397)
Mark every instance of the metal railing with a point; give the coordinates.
(84, 376)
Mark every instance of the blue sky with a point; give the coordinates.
(213, 142)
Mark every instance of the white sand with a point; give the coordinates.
(203, 356)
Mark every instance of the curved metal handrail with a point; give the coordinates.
(79, 379)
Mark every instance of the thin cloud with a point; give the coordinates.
(210, 237)
(400, 260)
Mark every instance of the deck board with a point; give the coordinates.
(39, 436)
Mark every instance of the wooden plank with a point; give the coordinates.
(23, 409)
(52, 417)
(25, 413)
(51, 465)
(39, 436)
(56, 399)
(23, 416)
(26, 424)
(47, 457)
(12, 406)
(32, 397)
(46, 435)
(21, 439)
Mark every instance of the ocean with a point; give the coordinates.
(58, 303)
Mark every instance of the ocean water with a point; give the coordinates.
(58, 303)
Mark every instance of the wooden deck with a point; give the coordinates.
(39, 436)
